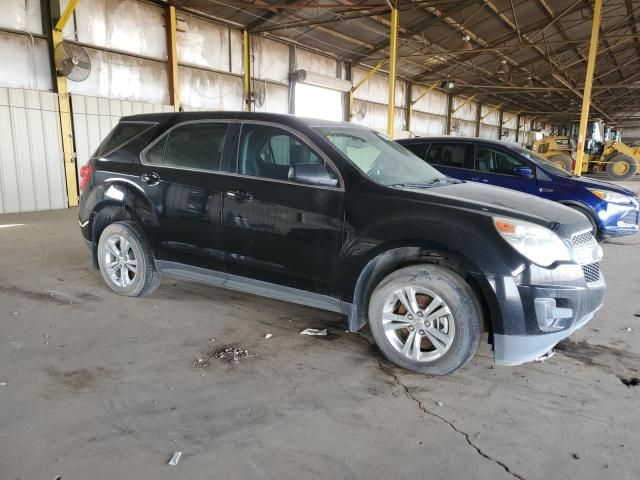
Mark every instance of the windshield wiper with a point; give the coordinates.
(444, 181)
(433, 183)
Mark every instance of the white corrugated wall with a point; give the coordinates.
(31, 163)
(94, 117)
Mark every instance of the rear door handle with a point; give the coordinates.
(151, 178)
(545, 190)
(478, 179)
(240, 195)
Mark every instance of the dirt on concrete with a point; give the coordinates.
(94, 385)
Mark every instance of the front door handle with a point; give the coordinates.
(240, 195)
(151, 178)
(545, 190)
(478, 179)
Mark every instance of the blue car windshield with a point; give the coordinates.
(381, 159)
(543, 162)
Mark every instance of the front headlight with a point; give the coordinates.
(609, 196)
(537, 243)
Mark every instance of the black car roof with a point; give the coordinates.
(281, 118)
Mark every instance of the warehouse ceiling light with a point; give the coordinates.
(448, 84)
(319, 80)
(466, 43)
(503, 68)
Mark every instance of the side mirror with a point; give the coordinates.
(525, 172)
(312, 174)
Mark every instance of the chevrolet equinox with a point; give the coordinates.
(337, 216)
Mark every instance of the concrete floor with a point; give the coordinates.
(97, 386)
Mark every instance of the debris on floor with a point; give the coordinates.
(230, 355)
(268, 336)
(175, 458)
(630, 382)
(314, 332)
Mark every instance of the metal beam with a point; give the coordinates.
(412, 102)
(172, 56)
(449, 113)
(64, 103)
(493, 109)
(466, 101)
(586, 98)
(361, 82)
(246, 67)
(393, 57)
(64, 18)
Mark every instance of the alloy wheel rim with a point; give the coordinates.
(120, 261)
(418, 323)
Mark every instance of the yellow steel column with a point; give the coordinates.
(588, 81)
(393, 56)
(172, 57)
(64, 106)
(246, 65)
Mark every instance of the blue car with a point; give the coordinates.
(611, 209)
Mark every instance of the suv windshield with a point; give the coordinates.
(381, 159)
(543, 162)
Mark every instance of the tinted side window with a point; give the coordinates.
(447, 154)
(416, 148)
(269, 152)
(121, 134)
(495, 161)
(193, 145)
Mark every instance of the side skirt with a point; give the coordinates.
(256, 287)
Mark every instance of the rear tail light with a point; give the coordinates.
(85, 174)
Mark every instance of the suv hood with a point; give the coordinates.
(490, 200)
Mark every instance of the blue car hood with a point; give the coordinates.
(595, 183)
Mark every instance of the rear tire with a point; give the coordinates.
(126, 261)
(439, 332)
(562, 161)
(621, 167)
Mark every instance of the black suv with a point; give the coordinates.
(338, 217)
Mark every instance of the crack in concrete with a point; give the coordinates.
(466, 436)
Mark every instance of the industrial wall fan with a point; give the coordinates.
(72, 62)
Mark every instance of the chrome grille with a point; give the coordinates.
(630, 217)
(582, 238)
(591, 272)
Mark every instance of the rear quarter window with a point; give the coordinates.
(121, 134)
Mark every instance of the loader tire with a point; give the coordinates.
(562, 161)
(621, 167)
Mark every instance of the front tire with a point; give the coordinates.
(426, 318)
(621, 167)
(126, 261)
(562, 161)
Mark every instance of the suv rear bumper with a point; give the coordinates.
(576, 307)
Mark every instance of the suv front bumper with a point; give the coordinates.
(548, 313)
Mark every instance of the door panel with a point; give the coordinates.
(495, 166)
(275, 230)
(180, 176)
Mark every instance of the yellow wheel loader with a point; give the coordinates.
(559, 150)
(604, 152)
